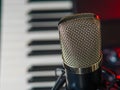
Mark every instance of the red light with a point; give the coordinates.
(118, 52)
(97, 17)
(117, 49)
(118, 76)
(108, 70)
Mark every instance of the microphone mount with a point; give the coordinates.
(106, 85)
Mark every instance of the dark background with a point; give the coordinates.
(106, 9)
(109, 12)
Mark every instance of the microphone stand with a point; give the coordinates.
(60, 81)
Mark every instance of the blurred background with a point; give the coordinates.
(29, 40)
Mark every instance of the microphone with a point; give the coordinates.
(80, 39)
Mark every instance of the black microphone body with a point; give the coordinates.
(80, 38)
(90, 81)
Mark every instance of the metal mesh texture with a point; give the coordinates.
(80, 38)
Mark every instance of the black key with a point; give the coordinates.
(44, 20)
(41, 88)
(50, 11)
(44, 52)
(42, 79)
(45, 0)
(44, 68)
(45, 88)
(34, 29)
(43, 42)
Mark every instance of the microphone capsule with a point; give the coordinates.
(80, 38)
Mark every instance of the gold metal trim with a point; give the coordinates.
(93, 68)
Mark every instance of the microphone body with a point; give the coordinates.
(80, 39)
(89, 81)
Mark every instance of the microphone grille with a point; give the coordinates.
(80, 38)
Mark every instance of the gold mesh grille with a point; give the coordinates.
(80, 40)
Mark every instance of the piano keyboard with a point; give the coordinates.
(30, 50)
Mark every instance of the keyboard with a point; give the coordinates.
(30, 47)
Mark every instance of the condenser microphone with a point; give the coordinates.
(80, 39)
